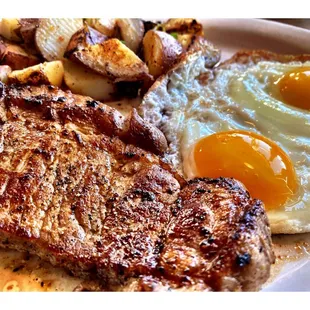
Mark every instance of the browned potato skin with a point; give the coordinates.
(187, 30)
(161, 51)
(106, 26)
(36, 78)
(183, 25)
(83, 38)
(132, 32)
(15, 56)
(49, 73)
(27, 29)
(113, 59)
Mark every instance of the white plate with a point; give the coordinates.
(232, 35)
(292, 269)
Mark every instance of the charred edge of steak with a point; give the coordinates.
(236, 256)
(56, 104)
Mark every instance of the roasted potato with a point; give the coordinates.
(27, 29)
(83, 81)
(185, 30)
(4, 72)
(50, 73)
(185, 39)
(114, 60)
(183, 25)
(15, 56)
(132, 32)
(9, 29)
(53, 35)
(83, 38)
(106, 26)
(161, 51)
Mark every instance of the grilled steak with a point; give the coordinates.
(81, 187)
(218, 240)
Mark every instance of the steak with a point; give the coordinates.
(85, 188)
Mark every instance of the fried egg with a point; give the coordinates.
(248, 121)
(254, 125)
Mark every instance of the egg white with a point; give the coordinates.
(243, 97)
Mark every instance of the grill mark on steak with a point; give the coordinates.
(129, 220)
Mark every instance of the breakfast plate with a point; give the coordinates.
(292, 269)
(232, 35)
(98, 67)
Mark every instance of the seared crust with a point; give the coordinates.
(74, 193)
(255, 56)
(54, 104)
(218, 240)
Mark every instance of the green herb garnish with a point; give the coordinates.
(174, 34)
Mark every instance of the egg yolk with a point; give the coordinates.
(295, 88)
(259, 163)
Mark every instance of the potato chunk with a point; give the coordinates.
(83, 81)
(83, 38)
(15, 56)
(114, 60)
(132, 32)
(53, 35)
(161, 51)
(27, 29)
(106, 26)
(183, 25)
(9, 29)
(50, 73)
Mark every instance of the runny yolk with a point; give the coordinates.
(295, 88)
(259, 163)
